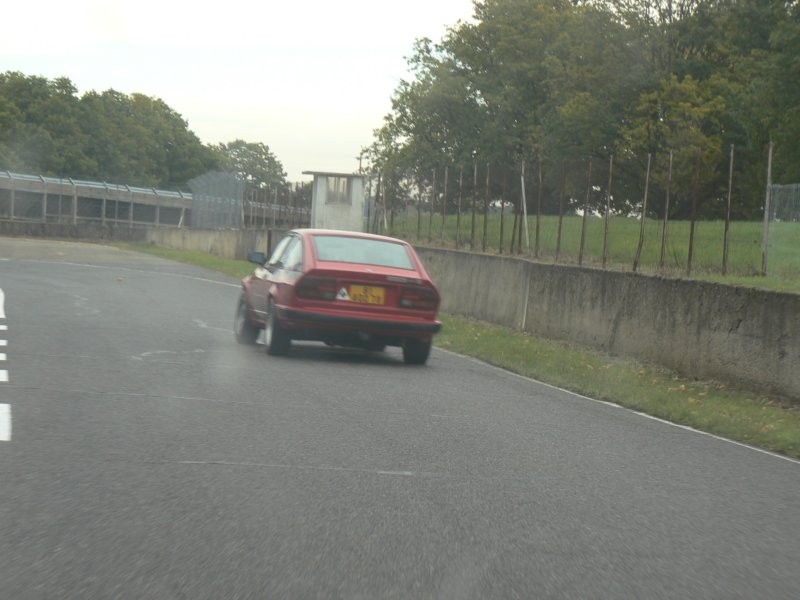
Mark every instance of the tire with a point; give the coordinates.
(416, 352)
(276, 338)
(243, 329)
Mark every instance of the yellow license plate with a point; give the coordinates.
(367, 294)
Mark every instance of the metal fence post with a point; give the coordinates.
(764, 250)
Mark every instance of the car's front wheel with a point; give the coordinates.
(416, 352)
(243, 328)
(276, 338)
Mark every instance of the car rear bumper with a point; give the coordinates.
(305, 318)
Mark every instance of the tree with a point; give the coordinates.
(683, 117)
(784, 90)
(254, 162)
(46, 128)
(40, 121)
(527, 79)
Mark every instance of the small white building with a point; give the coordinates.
(337, 200)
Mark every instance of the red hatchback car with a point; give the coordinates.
(343, 288)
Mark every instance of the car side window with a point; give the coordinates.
(279, 249)
(292, 259)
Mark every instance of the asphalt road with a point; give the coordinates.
(150, 456)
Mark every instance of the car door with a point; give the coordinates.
(286, 271)
(261, 280)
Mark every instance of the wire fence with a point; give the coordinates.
(782, 234)
(223, 200)
(563, 212)
(568, 213)
(284, 206)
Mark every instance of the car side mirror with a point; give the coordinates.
(257, 257)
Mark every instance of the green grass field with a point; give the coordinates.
(745, 241)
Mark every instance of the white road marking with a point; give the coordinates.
(5, 422)
(5, 409)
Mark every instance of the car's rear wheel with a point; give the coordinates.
(275, 337)
(243, 329)
(416, 352)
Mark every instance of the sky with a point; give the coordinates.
(310, 79)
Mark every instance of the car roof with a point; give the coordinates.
(342, 232)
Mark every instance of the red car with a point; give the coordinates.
(343, 288)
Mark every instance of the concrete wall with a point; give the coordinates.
(226, 243)
(701, 329)
(120, 233)
(219, 242)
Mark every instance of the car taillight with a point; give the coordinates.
(316, 288)
(419, 297)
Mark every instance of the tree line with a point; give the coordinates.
(676, 84)
(46, 128)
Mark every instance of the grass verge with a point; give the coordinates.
(715, 407)
(234, 268)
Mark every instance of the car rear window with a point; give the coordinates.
(363, 251)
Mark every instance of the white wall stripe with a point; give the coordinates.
(5, 422)
(2, 304)
(2, 356)
(3, 342)
(3, 376)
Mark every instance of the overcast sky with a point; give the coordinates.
(311, 79)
